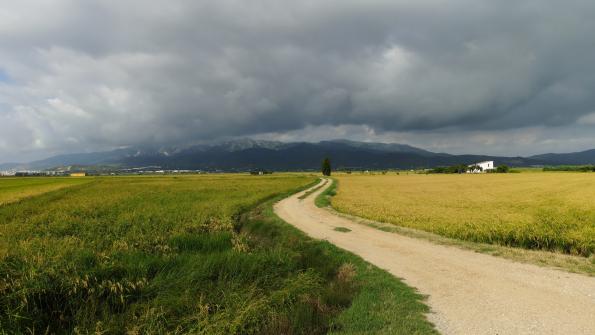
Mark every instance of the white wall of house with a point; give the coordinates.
(487, 165)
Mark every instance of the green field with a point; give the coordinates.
(546, 211)
(191, 254)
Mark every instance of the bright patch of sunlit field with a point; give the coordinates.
(550, 211)
(14, 189)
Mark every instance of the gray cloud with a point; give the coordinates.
(88, 75)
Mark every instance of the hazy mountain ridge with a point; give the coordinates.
(247, 154)
(573, 158)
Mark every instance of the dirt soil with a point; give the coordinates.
(468, 292)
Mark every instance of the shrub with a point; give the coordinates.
(461, 168)
(502, 169)
(571, 168)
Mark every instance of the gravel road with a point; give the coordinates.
(468, 292)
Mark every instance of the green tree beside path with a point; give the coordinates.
(326, 167)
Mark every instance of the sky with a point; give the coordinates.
(509, 77)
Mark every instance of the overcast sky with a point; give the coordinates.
(475, 76)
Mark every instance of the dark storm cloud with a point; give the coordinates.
(87, 75)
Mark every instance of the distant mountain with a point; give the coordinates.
(8, 166)
(380, 147)
(574, 158)
(94, 158)
(248, 154)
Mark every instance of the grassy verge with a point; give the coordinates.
(570, 263)
(324, 198)
(342, 229)
(367, 300)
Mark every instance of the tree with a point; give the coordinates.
(502, 169)
(326, 167)
(461, 168)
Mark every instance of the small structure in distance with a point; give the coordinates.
(260, 172)
(481, 167)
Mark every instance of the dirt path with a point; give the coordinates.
(469, 293)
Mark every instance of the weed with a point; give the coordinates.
(342, 229)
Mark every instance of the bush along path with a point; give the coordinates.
(469, 293)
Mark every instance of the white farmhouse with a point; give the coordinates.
(481, 167)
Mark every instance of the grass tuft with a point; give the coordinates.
(324, 198)
(342, 229)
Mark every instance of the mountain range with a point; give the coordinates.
(249, 154)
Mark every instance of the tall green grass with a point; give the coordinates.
(180, 255)
(139, 255)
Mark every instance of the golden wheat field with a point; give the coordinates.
(551, 211)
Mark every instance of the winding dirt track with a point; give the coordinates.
(468, 292)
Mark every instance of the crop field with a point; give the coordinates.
(143, 254)
(179, 255)
(14, 189)
(549, 211)
(140, 254)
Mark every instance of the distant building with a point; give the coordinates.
(29, 174)
(260, 172)
(481, 167)
(78, 174)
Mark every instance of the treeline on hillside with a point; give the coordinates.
(574, 168)
(461, 168)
